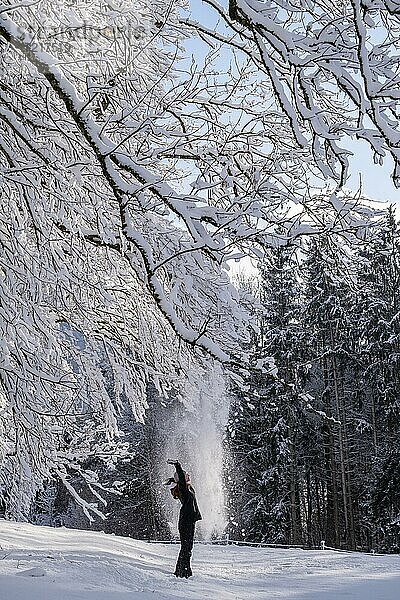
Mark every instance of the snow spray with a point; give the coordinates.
(196, 440)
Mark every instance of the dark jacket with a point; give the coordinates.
(189, 512)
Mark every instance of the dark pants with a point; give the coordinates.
(186, 533)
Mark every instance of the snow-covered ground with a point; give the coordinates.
(41, 563)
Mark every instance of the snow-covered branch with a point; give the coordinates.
(335, 71)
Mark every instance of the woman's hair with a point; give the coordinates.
(175, 492)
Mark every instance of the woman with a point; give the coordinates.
(188, 516)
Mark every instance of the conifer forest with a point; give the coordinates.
(200, 262)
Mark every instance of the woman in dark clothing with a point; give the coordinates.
(188, 516)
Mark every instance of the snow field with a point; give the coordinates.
(41, 563)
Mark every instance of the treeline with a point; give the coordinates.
(315, 452)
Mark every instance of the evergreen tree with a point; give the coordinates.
(379, 322)
(265, 425)
(314, 451)
(331, 350)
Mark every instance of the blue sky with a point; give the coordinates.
(375, 179)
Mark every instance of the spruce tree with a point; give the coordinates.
(379, 322)
(327, 322)
(264, 428)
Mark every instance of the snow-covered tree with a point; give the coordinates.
(136, 505)
(100, 255)
(263, 434)
(378, 309)
(85, 167)
(334, 68)
(314, 451)
(327, 318)
(128, 179)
